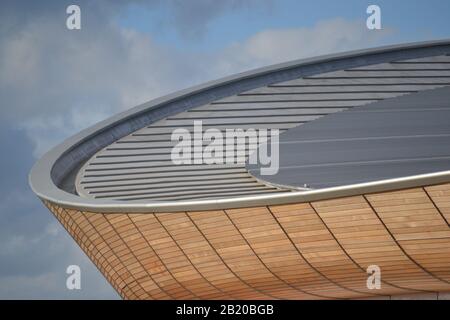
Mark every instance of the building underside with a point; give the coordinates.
(363, 180)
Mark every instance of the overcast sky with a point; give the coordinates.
(55, 82)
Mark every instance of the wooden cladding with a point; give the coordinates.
(317, 250)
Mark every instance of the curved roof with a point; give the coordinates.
(123, 163)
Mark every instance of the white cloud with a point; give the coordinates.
(280, 45)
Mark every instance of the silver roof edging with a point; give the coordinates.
(255, 201)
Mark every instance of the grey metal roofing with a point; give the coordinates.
(123, 162)
(392, 138)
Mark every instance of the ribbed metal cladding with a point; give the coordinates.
(138, 166)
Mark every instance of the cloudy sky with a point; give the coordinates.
(55, 82)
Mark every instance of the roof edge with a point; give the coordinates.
(111, 206)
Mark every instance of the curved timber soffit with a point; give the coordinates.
(51, 171)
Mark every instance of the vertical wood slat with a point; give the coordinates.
(317, 250)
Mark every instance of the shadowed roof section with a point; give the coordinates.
(393, 138)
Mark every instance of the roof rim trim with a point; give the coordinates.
(51, 170)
